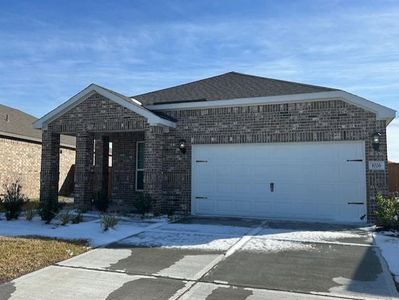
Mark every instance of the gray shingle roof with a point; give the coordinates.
(230, 85)
(14, 122)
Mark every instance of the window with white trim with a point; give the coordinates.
(139, 166)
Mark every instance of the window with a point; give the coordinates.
(140, 166)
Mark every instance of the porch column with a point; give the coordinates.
(153, 138)
(50, 166)
(83, 170)
(100, 182)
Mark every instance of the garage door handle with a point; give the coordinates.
(201, 197)
(356, 203)
(272, 187)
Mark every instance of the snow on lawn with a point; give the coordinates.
(182, 240)
(389, 246)
(90, 231)
(301, 235)
(269, 245)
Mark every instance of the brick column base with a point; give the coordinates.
(50, 166)
(83, 170)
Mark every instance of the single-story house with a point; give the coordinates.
(228, 145)
(20, 152)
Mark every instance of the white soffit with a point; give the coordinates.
(382, 112)
(124, 101)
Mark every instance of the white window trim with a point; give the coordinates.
(137, 165)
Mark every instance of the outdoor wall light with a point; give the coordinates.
(376, 141)
(182, 146)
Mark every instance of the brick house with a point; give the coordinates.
(229, 145)
(20, 152)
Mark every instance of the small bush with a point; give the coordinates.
(387, 212)
(108, 221)
(48, 210)
(101, 201)
(65, 217)
(13, 200)
(30, 214)
(76, 219)
(143, 203)
(31, 204)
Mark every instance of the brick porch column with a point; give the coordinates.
(83, 170)
(50, 166)
(100, 180)
(153, 138)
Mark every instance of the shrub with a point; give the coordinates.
(31, 205)
(387, 212)
(65, 217)
(77, 218)
(48, 210)
(13, 200)
(101, 201)
(30, 214)
(143, 203)
(108, 221)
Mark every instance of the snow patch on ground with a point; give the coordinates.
(90, 231)
(185, 240)
(207, 229)
(270, 245)
(389, 246)
(316, 236)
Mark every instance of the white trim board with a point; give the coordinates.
(124, 101)
(382, 112)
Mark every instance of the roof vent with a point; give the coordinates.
(180, 101)
(7, 118)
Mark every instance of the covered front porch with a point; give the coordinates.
(102, 120)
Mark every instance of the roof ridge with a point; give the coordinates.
(182, 84)
(281, 80)
(235, 73)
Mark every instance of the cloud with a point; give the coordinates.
(352, 47)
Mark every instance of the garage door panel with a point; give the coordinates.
(310, 180)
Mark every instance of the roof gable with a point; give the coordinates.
(382, 112)
(120, 99)
(230, 85)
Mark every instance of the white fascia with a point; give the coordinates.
(124, 101)
(382, 112)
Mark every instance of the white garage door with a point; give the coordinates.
(318, 181)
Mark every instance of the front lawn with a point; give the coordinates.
(19, 256)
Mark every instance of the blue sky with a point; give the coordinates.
(50, 50)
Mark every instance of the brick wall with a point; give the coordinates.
(332, 120)
(326, 120)
(21, 159)
(98, 116)
(124, 167)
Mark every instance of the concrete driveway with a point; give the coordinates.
(220, 259)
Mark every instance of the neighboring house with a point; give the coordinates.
(393, 175)
(229, 145)
(20, 151)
